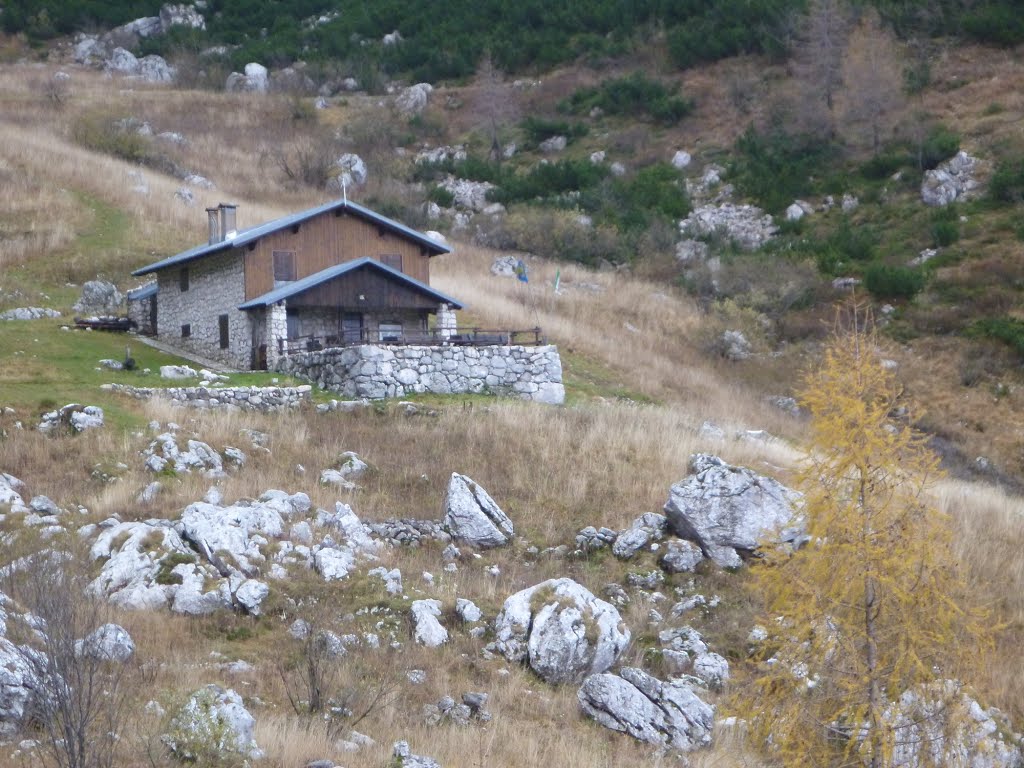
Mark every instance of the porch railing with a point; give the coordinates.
(468, 337)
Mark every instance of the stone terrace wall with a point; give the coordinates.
(240, 398)
(372, 371)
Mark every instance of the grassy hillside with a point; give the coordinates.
(640, 345)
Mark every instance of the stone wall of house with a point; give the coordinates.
(376, 371)
(228, 398)
(139, 313)
(216, 286)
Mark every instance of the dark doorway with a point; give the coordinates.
(351, 327)
(225, 335)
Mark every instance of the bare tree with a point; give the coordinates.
(496, 103)
(872, 96)
(817, 64)
(80, 691)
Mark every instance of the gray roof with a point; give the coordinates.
(298, 286)
(142, 292)
(255, 233)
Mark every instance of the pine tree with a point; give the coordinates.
(874, 604)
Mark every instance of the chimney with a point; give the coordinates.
(227, 221)
(214, 215)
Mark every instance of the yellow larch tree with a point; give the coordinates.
(874, 604)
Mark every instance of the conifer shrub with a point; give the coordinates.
(891, 282)
(635, 96)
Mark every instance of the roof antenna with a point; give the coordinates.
(344, 189)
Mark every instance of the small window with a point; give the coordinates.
(225, 338)
(390, 331)
(393, 260)
(284, 266)
(183, 279)
(186, 330)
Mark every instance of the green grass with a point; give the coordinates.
(43, 367)
(588, 379)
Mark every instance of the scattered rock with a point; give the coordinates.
(73, 418)
(553, 144)
(413, 100)
(428, 630)
(591, 539)
(647, 528)
(727, 509)
(561, 630)
(213, 721)
(467, 610)
(110, 642)
(255, 80)
(681, 556)
(402, 757)
(28, 313)
(472, 516)
(681, 159)
(669, 714)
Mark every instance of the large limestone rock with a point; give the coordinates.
(255, 80)
(99, 297)
(561, 630)
(728, 510)
(648, 709)
(472, 516)
(428, 630)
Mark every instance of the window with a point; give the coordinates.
(390, 331)
(284, 266)
(225, 337)
(183, 279)
(393, 260)
(186, 330)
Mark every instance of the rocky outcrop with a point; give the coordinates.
(473, 517)
(681, 556)
(746, 225)
(668, 714)
(649, 527)
(561, 630)
(471, 195)
(939, 724)
(254, 80)
(727, 510)
(11, 489)
(349, 171)
(18, 687)
(164, 453)
(402, 757)
(951, 181)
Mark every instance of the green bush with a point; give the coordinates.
(537, 129)
(1008, 330)
(940, 144)
(945, 227)
(774, 167)
(884, 165)
(441, 196)
(1007, 184)
(998, 23)
(888, 282)
(844, 246)
(634, 96)
(548, 180)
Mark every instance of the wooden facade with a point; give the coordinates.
(326, 240)
(364, 289)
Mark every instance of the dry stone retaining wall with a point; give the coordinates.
(377, 371)
(241, 398)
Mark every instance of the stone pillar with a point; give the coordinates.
(277, 331)
(446, 323)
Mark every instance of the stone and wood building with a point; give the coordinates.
(331, 275)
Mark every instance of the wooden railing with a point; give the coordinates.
(468, 337)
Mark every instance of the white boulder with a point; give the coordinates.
(413, 100)
(727, 509)
(110, 642)
(472, 516)
(427, 629)
(214, 721)
(561, 630)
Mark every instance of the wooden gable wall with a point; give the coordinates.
(324, 241)
(363, 290)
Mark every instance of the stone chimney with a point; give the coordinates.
(214, 216)
(228, 229)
